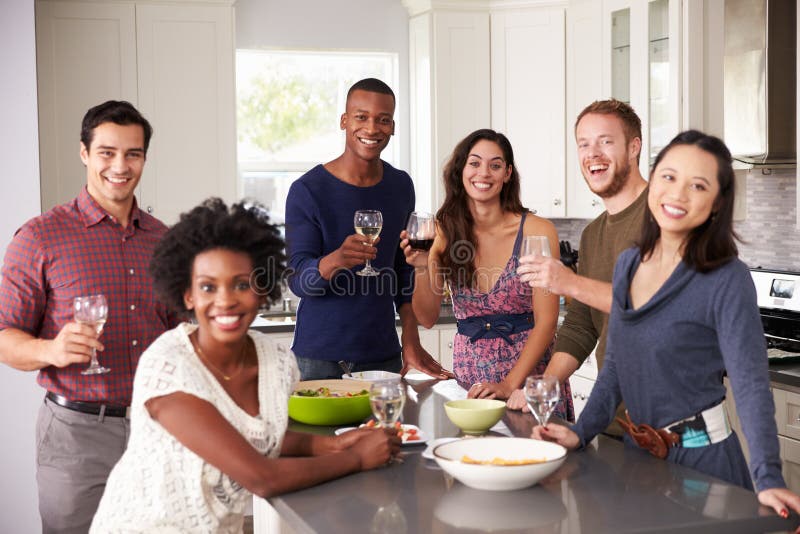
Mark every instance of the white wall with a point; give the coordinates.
(369, 25)
(20, 397)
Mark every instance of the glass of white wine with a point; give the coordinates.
(92, 310)
(542, 394)
(368, 223)
(387, 398)
(536, 246)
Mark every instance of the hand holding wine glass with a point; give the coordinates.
(368, 223)
(93, 311)
(535, 246)
(420, 230)
(542, 394)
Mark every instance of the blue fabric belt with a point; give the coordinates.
(493, 326)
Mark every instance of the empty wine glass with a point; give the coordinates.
(421, 230)
(92, 310)
(368, 223)
(542, 395)
(536, 246)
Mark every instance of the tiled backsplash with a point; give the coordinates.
(770, 237)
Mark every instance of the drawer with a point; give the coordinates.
(790, 457)
(787, 412)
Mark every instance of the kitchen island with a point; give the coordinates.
(607, 488)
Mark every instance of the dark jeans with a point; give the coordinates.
(311, 369)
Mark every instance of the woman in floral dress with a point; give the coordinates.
(505, 329)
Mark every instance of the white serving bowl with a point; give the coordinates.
(372, 376)
(499, 477)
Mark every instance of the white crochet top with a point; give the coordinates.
(161, 486)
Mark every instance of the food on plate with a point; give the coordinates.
(326, 392)
(404, 432)
(502, 461)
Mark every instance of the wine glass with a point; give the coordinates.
(368, 223)
(92, 310)
(536, 246)
(421, 230)
(542, 395)
(387, 398)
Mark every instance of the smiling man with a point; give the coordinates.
(608, 134)
(342, 316)
(98, 243)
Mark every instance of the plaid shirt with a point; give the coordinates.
(78, 249)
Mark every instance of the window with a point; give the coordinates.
(288, 108)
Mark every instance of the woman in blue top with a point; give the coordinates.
(684, 314)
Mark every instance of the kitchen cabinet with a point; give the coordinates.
(642, 66)
(584, 77)
(787, 417)
(447, 334)
(581, 383)
(174, 61)
(528, 100)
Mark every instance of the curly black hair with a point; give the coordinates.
(245, 227)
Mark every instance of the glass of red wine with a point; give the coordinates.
(421, 230)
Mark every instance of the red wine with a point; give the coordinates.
(421, 244)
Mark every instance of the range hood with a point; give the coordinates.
(760, 84)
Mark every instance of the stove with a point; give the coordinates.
(779, 304)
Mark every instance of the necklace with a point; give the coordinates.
(225, 377)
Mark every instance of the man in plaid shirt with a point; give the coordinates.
(98, 243)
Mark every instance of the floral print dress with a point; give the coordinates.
(490, 360)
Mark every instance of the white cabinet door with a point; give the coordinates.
(186, 82)
(790, 458)
(85, 55)
(449, 55)
(581, 389)
(446, 337)
(584, 85)
(588, 368)
(528, 100)
(430, 341)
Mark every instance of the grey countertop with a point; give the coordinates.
(608, 489)
(785, 374)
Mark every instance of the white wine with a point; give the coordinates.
(387, 409)
(97, 325)
(370, 232)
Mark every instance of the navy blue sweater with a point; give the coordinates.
(348, 317)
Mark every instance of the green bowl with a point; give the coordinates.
(331, 411)
(475, 416)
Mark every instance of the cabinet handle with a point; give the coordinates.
(149, 209)
(595, 203)
(556, 202)
(450, 345)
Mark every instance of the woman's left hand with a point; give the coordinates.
(780, 500)
(489, 390)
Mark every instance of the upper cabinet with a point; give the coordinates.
(641, 57)
(449, 87)
(528, 100)
(489, 64)
(174, 61)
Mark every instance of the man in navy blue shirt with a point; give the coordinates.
(342, 316)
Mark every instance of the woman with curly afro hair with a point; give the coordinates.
(209, 412)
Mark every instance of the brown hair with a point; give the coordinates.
(454, 218)
(631, 123)
(712, 243)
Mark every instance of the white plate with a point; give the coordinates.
(428, 452)
(372, 376)
(415, 376)
(423, 438)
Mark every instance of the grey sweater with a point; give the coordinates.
(667, 359)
